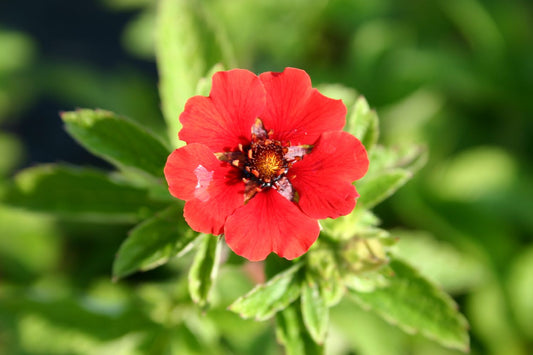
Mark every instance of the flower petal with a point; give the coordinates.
(212, 189)
(295, 111)
(224, 119)
(180, 169)
(209, 216)
(270, 223)
(323, 179)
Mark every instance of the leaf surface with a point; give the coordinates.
(363, 123)
(203, 270)
(417, 306)
(315, 312)
(116, 139)
(377, 188)
(189, 42)
(153, 242)
(265, 300)
(79, 193)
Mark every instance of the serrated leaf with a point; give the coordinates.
(315, 312)
(264, 300)
(363, 123)
(292, 334)
(116, 139)
(203, 270)
(417, 306)
(85, 194)
(375, 189)
(153, 242)
(188, 43)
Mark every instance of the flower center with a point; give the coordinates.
(265, 161)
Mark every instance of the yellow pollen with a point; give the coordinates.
(265, 162)
(268, 163)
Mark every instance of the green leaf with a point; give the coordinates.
(417, 306)
(189, 42)
(315, 312)
(117, 140)
(203, 270)
(153, 242)
(363, 123)
(179, 60)
(389, 170)
(292, 334)
(377, 188)
(77, 193)
(265, 300)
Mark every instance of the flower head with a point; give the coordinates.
(265, 158)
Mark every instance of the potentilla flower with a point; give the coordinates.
(265, 158)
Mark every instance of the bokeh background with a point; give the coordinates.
(455, 76)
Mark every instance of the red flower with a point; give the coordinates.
(265, 158)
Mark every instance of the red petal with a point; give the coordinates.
(180, 169)
(224, 119)
(323, 179)
(295, 111)
(210, 216)
(270, 223)
(212, 189)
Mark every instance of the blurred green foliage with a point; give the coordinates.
(456, 76)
